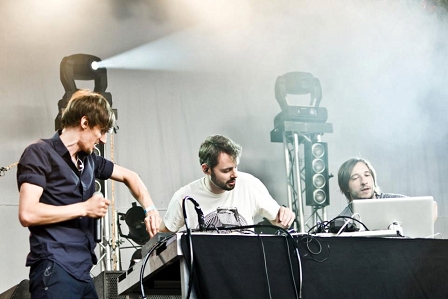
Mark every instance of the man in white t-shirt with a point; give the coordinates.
(226, 197)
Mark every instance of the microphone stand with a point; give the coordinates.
(197, 208)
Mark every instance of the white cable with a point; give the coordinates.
(342, 228)
(347, 221)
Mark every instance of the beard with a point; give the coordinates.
(226, 186)
(357, 195)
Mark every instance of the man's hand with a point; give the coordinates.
(435, 211)
(285, 217)
(97, 206)
(152, 222)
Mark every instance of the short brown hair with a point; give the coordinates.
(213, 146)
(93, 106)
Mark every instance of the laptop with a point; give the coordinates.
(413, 214)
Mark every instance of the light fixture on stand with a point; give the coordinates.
(303, 124)
(135, 220)
(79, 67)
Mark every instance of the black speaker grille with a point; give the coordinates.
(20, 291)
(106, 285)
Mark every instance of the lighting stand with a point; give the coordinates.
(109, 247)
(293, 134)
(109, 254)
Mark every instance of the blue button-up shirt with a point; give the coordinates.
(47, 163)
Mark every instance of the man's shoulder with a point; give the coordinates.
(246, 176)
(38, 147)
(40, 143)
(191, 186)
(347, 212)
(390, 195)
(45, 143)
(249, 180)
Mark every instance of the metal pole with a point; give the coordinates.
(289, 187)
(298, 182)
(106, 240)
(116, 244)
(106, 227)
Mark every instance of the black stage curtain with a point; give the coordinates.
(377, 268)
(232, 266)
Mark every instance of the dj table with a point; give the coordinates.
(251, 266)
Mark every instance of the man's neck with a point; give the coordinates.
(373, 197)
(70, 137)
(212, 186)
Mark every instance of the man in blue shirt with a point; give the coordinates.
(56, 180)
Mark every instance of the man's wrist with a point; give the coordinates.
(150, 208)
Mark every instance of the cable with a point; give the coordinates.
(145, 260)
(3, 170)
(292, 271)
(265, 267)
(308, 239)
(190, 242)
(322, 227)
(347, 221)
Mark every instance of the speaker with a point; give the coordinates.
(20, 291)
(316, 174)
(106, 285)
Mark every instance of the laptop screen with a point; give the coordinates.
(414, 214)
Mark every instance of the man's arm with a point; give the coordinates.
(140, 193)
(163, 228)
(32, 212)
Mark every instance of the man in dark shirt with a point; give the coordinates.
(357, 180)
(56, 180)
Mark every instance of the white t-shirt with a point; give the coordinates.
(249, 196)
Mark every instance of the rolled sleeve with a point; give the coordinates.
(33, 167)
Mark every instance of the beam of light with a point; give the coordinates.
(204, 46)
(249, 38)
(190, 50)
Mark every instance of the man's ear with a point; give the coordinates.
(205, 168)
(84, 122)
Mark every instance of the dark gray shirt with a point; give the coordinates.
(47, 163)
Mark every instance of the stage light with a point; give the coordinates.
(95, 65)
(135, 219)
(82, 67)
(316, 174)
(299, 83)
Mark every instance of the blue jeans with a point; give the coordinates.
(49, 281)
